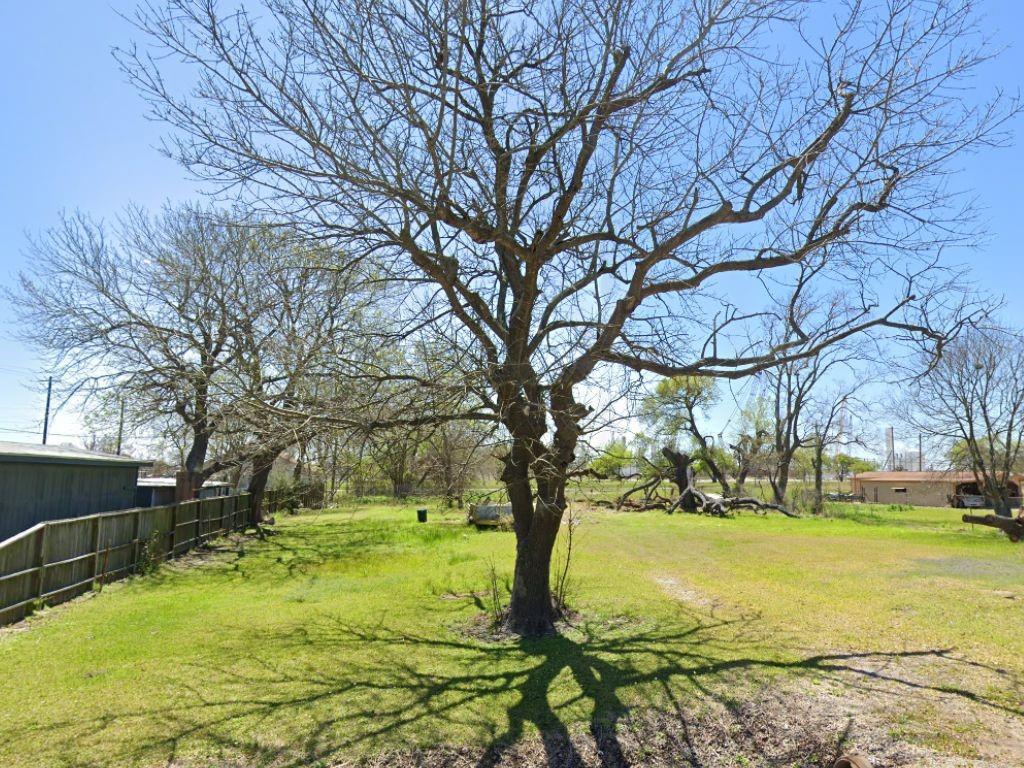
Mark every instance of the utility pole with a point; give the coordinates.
(46, 414)
(920, 453)
(120, 428)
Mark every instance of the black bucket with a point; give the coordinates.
(421, 515)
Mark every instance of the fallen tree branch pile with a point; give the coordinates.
(690, 498)
(651, 498)
(723, 506)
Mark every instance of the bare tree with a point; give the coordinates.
(396, 452)
(455, 454)
(303, 328)
(189, 320)
(974, 397)
(572, 187)
(145, 314)
(838, 415)
(799, 403)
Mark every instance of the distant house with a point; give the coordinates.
(158, 491)
(48, 482)
(927, 489)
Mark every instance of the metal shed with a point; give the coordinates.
(48, 482)
(157, 491)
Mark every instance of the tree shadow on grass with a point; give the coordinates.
(283, 704)
(286, 552)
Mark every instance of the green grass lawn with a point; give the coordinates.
(345, 634)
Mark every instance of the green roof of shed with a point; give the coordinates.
(28, 453)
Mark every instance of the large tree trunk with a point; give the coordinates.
(682, 470)
(261, 466)
(780, 482)
(531, 612)
(999, 494)
(741, 480)
(196, 459)
(537, 519)
(1012, 526)
(819, 460)
(994, 486)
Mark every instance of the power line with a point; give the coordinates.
(17, 369)
(37, 432)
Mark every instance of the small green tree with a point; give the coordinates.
(613, 459)
(844, 465)
(674, 412)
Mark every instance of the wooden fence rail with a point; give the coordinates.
(57, 560)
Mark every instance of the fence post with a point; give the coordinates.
(96, 546)
(135, 540)
(174, 530)
(40, 561)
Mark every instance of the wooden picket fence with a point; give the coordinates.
(57, 560)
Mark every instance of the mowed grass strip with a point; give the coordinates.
(344, 633)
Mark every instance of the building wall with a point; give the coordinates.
(154, 496)
(31, 493)
(929, 494)
(214, 491)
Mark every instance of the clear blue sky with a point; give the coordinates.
(74, 136)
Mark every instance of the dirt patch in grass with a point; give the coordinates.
(900, 710)
(213, 552)
(936, 708)
(483, 627)
(778, 728)
(677, 590)
(971, 568)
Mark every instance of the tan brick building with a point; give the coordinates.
(924, 489)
